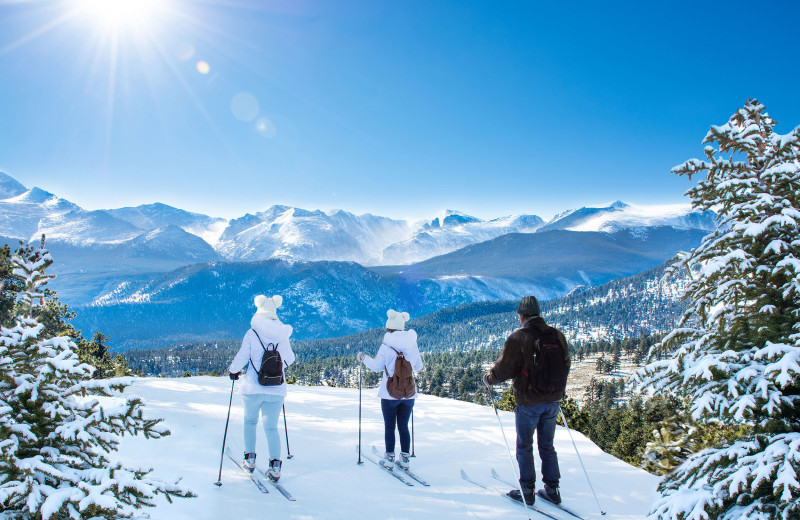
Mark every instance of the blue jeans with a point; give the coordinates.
(397, 412)
(270, 408)
(539, 418)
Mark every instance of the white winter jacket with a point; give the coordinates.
(404, 341)
(270, 331)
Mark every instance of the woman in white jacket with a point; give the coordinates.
(395, 411)
(266, 332)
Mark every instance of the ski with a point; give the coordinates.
(398, 476)
(404, 470)
(539, 493)
(282, 490)
(260, 485)
(494, 491)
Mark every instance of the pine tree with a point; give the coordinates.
(55, 435)
(735, 353)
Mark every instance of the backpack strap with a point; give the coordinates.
(399, 354)
(262, 346)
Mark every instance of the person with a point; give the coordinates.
(537, 393)
(396, 410)
(266, 333)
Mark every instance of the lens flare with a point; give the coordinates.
(203, 67)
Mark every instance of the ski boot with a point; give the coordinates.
(249, 462)
(388, 460)
(403, 461)
(529, 496)
(551, 494)
(274, 472)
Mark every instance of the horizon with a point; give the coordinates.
(397, 110)
(411, 220)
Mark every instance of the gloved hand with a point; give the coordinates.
(233, 376)
(485, 380)
(360, 356)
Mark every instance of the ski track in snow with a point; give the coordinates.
(323, 475)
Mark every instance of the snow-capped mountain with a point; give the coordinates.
(324, 477)
(453, 230)
(10, 187)
(620, 215)
(94, 241)
(287, 232)
(152, 216)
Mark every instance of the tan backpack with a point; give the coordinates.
(400, 385)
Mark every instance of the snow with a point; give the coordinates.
(323, 475)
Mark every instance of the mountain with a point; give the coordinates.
(552, 263)
(647, 303)
(10, 187)
(100, 241)
(297, 234)
(286, 232)
(324, 477)
(620, 215)
(215, 300)
(328, 299)
(453, 230)
(153, 216)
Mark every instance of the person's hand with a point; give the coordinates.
(485, 380)
(233, 376)
(360, 356)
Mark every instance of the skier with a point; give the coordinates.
(267, 334)
(397, 393)
(538, 388)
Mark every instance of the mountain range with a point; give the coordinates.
(158, 237)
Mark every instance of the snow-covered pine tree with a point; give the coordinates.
(735, 353)
(58, 426)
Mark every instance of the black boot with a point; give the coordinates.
(530, 498)
(551, 494)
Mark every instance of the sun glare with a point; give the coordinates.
(112, 14)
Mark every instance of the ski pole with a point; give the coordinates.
(225, 437)
(359, 414)
(563, 418)
(286, 431)
(412, 434)
(510, 458)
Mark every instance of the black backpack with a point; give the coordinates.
(271, 373)
(548, 368)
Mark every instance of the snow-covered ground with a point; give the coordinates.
(323, 475)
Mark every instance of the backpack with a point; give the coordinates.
(548, 369)
(271, 373)
(400, 385)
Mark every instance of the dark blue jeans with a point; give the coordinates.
(397, 412)
(539, 418)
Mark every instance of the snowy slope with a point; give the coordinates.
(287, 232)
(620, 215)
(10, 187)
(153, 216)
(453, 230)
(323, 475)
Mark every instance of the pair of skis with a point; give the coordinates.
(404, 475)
(259, 482)
(532, 507)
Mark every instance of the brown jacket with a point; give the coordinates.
(517, 355)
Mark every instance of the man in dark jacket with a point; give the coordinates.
(538, 389)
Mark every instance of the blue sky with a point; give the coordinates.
(399, 108)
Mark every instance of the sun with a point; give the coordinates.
(118, 14)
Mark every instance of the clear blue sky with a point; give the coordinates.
(399, 108)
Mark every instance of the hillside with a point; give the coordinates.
(324, 476)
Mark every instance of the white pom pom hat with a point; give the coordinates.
(267, 306)
(397, 320)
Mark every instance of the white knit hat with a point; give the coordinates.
(268, 306)
(397, 320)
